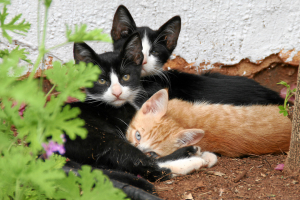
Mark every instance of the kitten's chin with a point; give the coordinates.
(118, 102)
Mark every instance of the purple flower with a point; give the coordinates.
(53, 147)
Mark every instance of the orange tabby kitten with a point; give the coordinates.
(163, 126)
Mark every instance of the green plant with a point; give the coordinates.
(23, 175)
(289, 93)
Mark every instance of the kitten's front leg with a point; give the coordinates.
(187, 159)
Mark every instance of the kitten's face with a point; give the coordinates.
(119, 81)
(157, 44)
(150, 130)
(154, 130)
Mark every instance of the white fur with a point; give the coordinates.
(187, 165)
(211, 158)
(153, 64)
(184, 166)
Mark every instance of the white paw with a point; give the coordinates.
(184, 166)
(210, 158)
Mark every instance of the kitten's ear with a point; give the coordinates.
(82, 52)
(123, 24)
(170, 31)
(157, 105)
(188, 137)
(132, 49)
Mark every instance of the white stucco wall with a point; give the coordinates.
(212, 30)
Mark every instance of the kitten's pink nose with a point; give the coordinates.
(116, 90)
(145, 60)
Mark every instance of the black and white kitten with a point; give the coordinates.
(211, 87)
(158, 45)
(119, 81)
(106, 118)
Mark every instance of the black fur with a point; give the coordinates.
(210, 87)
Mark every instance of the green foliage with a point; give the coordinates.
(289, 93)
(23, 174)
(5, 2)
(101, 187)
(12, 26)
(86, 73)
(81, 34)
(21, 52)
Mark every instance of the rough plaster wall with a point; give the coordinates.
(212, 31)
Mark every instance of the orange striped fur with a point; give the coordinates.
(165, 126)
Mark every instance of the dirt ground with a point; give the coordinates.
(226, 181)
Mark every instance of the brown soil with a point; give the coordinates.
(226, 181)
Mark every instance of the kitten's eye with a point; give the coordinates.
(138, 135)
(155, 53)
(102, 81)
(126, 77)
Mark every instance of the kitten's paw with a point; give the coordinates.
(210, 158)
(184, 166)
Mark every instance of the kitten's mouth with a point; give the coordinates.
(118, 102)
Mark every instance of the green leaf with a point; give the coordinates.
(68, 188)
(5, 2)
(19, 28)
(103, 187)
(281, 107)
(47, 3)
(284, 83)
(21, 53)
(90, 185)
(64, 76)
(284, 112)
(81, 34)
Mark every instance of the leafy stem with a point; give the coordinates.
(289, 93)
(50, 91)
(42, 50)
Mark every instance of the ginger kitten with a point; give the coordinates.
(163, 126)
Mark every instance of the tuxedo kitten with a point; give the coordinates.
(163, 126)
(107, 115)
(157, 44)
(212, 87)
(119, 81)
